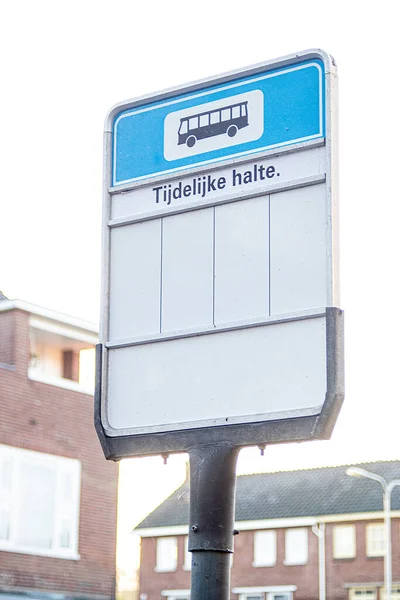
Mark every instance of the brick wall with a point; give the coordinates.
(7, 334)
(49, 419)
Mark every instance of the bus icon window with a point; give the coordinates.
(227, 119)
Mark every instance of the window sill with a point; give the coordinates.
(158, 570)
(67, 384)
(40, 552)
(262, 565)
(294, 564)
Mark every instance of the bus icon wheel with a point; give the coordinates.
(191, 141)
(232, 130)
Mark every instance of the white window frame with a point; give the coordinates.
(360, 593)
(60, 382)
(395, 593)
(272, 595)
(303, 560)
(267, 536)
(370, 532)
(60, 333)
(187, 556)
(161, 567)
(62, 467)
(176, 594)
(265, 592)
(337, 551)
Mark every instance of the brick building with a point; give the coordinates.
(304, 535)
(58, 495)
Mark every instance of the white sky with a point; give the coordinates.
(65, 63)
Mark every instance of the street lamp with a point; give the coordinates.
(387, 489)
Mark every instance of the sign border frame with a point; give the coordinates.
(247, 434)
(262, 433)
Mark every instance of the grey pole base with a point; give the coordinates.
(212, 514)
(210, 575)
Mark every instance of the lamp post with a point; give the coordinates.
(387, 488)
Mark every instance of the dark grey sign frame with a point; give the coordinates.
(293, 429)
(288, 429)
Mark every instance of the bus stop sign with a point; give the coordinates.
(220, 304)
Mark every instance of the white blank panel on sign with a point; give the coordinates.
(298, 250)
(135, 280)
(187, 270)
(241, 260)
(236, 376)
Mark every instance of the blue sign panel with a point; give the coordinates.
(251, 114)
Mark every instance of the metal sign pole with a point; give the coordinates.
(212, 513)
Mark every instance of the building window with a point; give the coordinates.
(362, 594)
(57, 358)
(344, 541)
(187, 563)
(265, 592)
(166, 554)
(395, 593)
(296, 546)
(176, 594)
(264, 548)
(375, 539)
(39, 503)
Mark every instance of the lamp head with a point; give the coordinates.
(355, 472)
